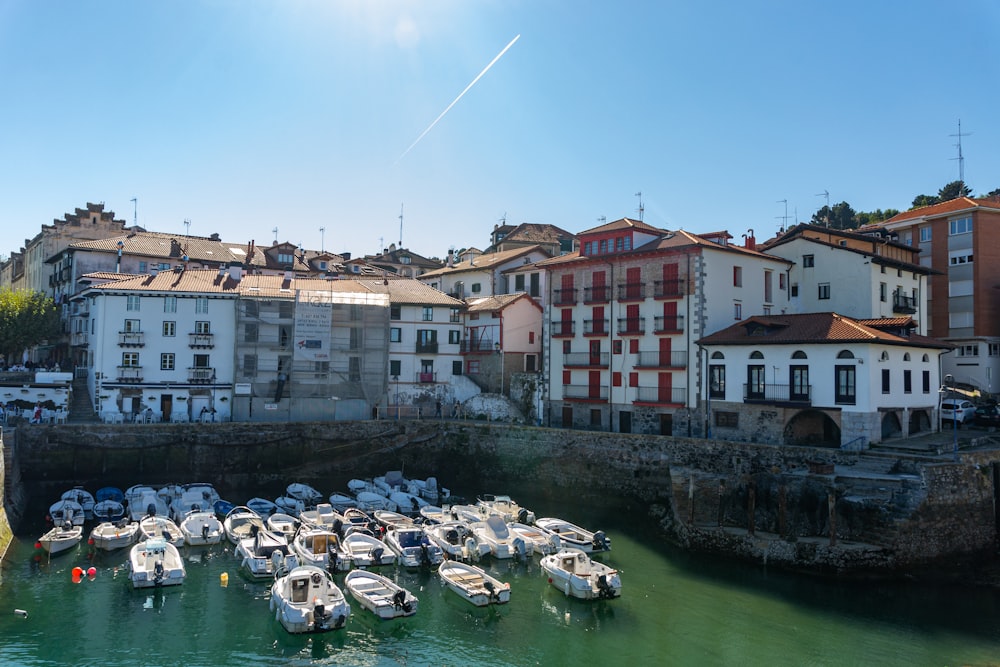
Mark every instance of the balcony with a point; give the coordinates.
(903, 304)
(662, 360)
(585, 360)
(426, 377)
(201, 375)
(482, 346)
(777, 393)
(427, 347)
(668, 289)
(131, 339)
(79, 338)
(564, 297)
(596, 327)
(563, 328)
(584, 392)
(661, 395)
(201, 340)
(671, 324)
(599, 294)
(130, 374)
(632, 292)
(631, 326)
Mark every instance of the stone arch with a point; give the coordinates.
(920, 421)
(756, 354)
(799, 354)
(718, 355)
(811, 427)
(845, 354)
(890, 425)
(906, 356)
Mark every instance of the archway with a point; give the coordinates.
(890, 425)
(920, 421)
(813, 428)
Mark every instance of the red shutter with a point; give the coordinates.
(633, 345)
(664, 352)
(633, 379)
(566, 377)
(616, 379)
(665, 385)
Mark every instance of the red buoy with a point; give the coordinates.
(91, 572)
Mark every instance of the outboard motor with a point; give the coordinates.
(601, 541)
(399, 600)
(204, 531)
(319, 613)
(158, 572)
(492, 590)
(338, 527)
(166, 534)
(254, 530)
(522, 516)
(604, 591)
(415, 505)
(425, 557)
(520, 549)
(471, 549)
(151, 509)
(452, 536)
(377, 555)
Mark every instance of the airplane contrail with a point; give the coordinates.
(448, 108)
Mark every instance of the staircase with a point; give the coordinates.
(81, 408)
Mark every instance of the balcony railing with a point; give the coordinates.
(668, 324)
(427, 347)
(777, 393)
(79, 338)
(903, 304)
(131, 339)
(666, 289)
(564, 296)
(631, 325)
(563, 328)
(482, 346)
(632, 292)
(586, 359)
(599, 294)
(657, 359)
(130, 373)
(201, 340)
(662, 395)
(201, 375)
(423, 377)
(586, 392)
(595, 327)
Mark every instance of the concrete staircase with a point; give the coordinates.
(81, 408)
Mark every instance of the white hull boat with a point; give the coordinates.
(473, 584)
(309, 496)
(191, 501)
(201, 528)
(379, 595)
(407, 503)
(64, 510)
(240, 522)
(322, 516)
(576, 575)
(457, 540)
(108, 536)
(262, 506)
(390, 519)
(264, 554)
(290, 505)
(149, 503)
(366, 551)
(571, 535)
(506, 507)
(282, 524)
(61, 538)
(306, 599)
(341, 501)
(370, 501)
(155, 563)
(160, 527)
(538, 540)
(413, 548)
(109, 510)
(83, 497)
(495, 533)
(317, 547)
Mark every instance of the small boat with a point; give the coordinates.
(109, 493)
(307, 494)
(282, 524)
(170, 493)
(391, 481)
(149, 503)
(109, 509)
(473, 584)
(574, 573)
(82, 496)
(434, 514)
(322, 516)
(571, 535)
(506, 507)
(407, 503)
(428, 489)
(264, 553)
(457, 540)
(62, 537)
(413, 548)
(290, 505)
(540, 541)
(379, 595)
(262, 506)
(64, 510)
(222, 508)
(494, 532)
(371, 501)
(239, 522)
(201, 528)
(305, 599)
(155, 563)
(362, 550)
(191, 501)
(206, 490)
(316, 546)
(342, 501)
(109, 536)
(356, 486)
(153, 527)
(468, 513)
(390, 519)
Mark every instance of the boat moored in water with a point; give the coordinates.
(155, 563)
(574, 573)
(61, 538)
(473, 584)
(306, 599)
(572, 535)
(108, 535)
(379, 595)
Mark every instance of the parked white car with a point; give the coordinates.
(963, 411)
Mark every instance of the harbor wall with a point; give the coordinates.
(814, 509)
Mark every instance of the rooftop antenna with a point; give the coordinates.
(275, 230)
(826, 194)
(135, 211)
(322, 231)
(602, 219)
(961, 160)
(783, 218)
(187, 226)
(640, 209)
(400, 226)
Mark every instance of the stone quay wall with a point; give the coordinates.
(814, 509)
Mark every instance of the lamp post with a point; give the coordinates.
(118, 265)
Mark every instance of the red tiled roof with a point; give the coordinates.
(943, 208)
(482, 262)
(489, 304)
(624, 223)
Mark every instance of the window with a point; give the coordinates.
(616, 379)
(737, 276)
(967, 350)
(567, 377)
(169, 329)
(960, 226)
(249, 365)
(286, 258)
(250, 332)
(476, 288)
(534, 285)
(957, 257)
(427, 314)
(454, 315)
(845, 389)
(285, 310)
(885, 381)
(395, 312)
(808, 261)
(755, 382)
(250, 308)
(355, 341)
(994, 349)
(925, 381)
(167, 361)
(394, 365)
(130, 359)
(907, 382)
(203, 327)
(456, 367)
(519, 282)
(717, 381)
(472, 367)
(727, 419)
(531, 338)
(142, 267)
(170, 304)
(132, 303)
(454, 336)
(738, 311)
(633, 379)
(354, 369)
(781, 281)
(795, 289)
(824, 290)
(567, 346)
(883, 292)
(395, 335)
(798, 378)
(201, 305)
(604, 247)
(131, 326)
(405, 259)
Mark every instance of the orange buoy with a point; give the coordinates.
(77, 574)
(224, 579)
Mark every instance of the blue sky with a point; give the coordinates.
(242, 116)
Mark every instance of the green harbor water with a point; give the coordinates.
(676, 609)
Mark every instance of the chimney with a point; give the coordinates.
(288, 276)
(451, 257)
(235, 272)
(749, 242)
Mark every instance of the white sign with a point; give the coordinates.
(241, 389)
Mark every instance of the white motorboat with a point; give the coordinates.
(192, 500)
(407, 503)
(155, 563)
(282, 524)
(239, 523)
(571, 535)
(307, 494)
(305, 599)
(206, 490)
(540, 541)
(153, 527)
(264, 553)
(356, 486)
(262, 506)
(428, 489)
(495, 533)
(506, 507)
(148, 503)
(370, 501)
(473, 584)
(322, 516)
(468, 513)
(61, 538)
(342, 501)
(63, 511)
(432, 514)
(82, 496)
(574, 573)
(379, 595)
(202, 527)
(457, 540)
(366, 551)
(391, 481)
(170, 493)
(316, 546)
(290, 505)
(109, 509)
(413, 548)
(109, 536)
(389, 519)
(358, 518)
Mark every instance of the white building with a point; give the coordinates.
(482, 274)
(502, 336)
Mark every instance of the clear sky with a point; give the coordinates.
(244, 116)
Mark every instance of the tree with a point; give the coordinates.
(993, 193)
(953, 190)
(26, 319)
(878, 215)
(840, 216)
(923, 200)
